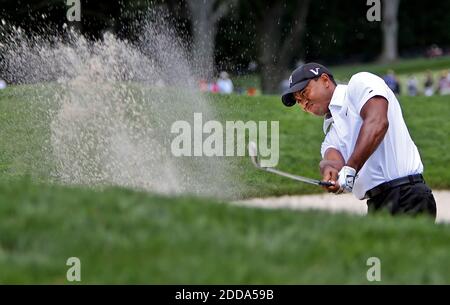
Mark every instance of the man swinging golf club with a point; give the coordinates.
(367, 148)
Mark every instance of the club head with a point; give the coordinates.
(253, 153)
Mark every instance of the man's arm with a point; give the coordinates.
(374, 127)
(330, 167)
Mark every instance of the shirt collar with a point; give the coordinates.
(337, 100)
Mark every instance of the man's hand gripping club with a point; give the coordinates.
(333, 169)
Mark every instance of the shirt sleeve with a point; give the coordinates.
(363, 86)
(330, 141)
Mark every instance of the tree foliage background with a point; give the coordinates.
(335, 31)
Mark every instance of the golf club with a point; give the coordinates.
(253, 152)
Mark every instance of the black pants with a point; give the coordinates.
(411, 199)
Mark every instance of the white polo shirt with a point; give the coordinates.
(396, 156)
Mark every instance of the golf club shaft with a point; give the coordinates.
(298, 178)
(253, 152)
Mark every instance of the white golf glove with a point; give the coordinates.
(346, 179)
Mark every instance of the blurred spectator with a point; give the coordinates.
(213, 87)
(444, 83)
(251, 91)
(434, 51)
(2, 84)
(240, 90)
(429, 84)
(224, 83)
(252, 66)
(391, 80)
(412, 85)
(203, 85)
(299, 63)
(284, 85)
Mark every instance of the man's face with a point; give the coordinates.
(316, 96)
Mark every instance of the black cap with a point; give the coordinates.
(300, 78)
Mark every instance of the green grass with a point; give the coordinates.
(25, 130)
(122, 236)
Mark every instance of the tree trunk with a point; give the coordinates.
(390, 30)
(205, 15)
(276, 55)
(204, 35)
(271, 77)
